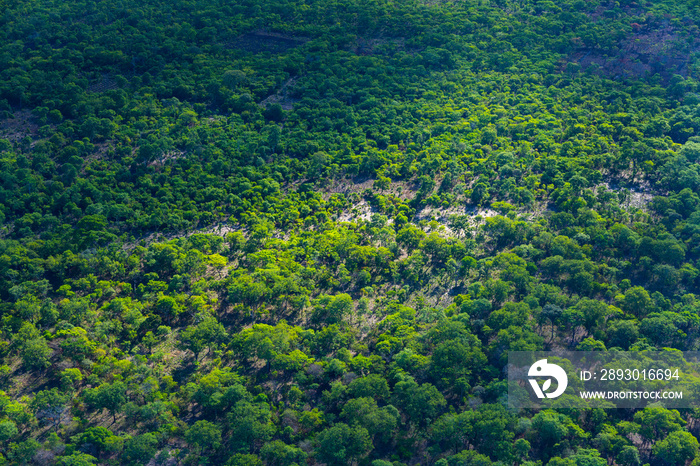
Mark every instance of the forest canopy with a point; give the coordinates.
(286, 232)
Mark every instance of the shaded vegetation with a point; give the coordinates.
(308, 233)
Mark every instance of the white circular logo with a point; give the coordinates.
(551, 371)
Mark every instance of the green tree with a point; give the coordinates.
(206, 334)
(76, 459)
(241, 459)
(480, 193)
(594, 313)
(50, 405)
(342, 444)
(623, 333)
(410, 237)
(373, 385)
(335, 309)
(36, 353)
(421, 403)
(468, 458)
(33, 348)
(98, 440)
(637, 302)
(676, 449)
(657, 422)
(24, 452)
(379, 422)
(8, 430)
(629, 456)
(250, 424)
(111, 397)
(550, 429)
(140, 449)
(278, 453)
(204, 435)
(521, 448)
(453, 360)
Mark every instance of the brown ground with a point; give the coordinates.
(17, 128)
(262, 41)
(654, 46)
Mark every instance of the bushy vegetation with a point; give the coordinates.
(279, 232)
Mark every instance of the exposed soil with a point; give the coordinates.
(639, 197)
(282, 96)
(651, 48)
(105, 84)
(378, 45)
(171, 155)
(262, 41)
(17, 128)
(361, 211)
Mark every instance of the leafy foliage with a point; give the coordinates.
(289, 232)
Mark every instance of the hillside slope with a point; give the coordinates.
(290, 232)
